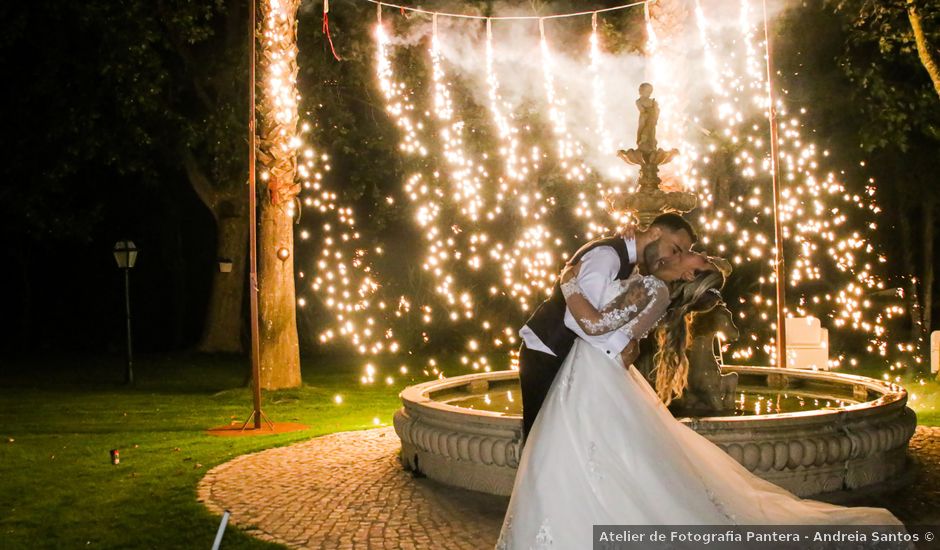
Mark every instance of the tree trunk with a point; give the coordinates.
(927, 57)
(223, 327)
(280, 351)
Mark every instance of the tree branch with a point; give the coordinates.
(926, 54)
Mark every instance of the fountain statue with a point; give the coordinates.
(649, 116)
(649, 200)
(709, 390)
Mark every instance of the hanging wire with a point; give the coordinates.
(507, 17)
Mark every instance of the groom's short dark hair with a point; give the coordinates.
(675, 222)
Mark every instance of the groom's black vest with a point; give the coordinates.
(548, 321)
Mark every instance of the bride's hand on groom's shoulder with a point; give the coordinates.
(569, 272)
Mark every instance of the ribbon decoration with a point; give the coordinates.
(326, 28)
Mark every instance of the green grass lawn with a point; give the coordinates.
(923, 391)
(925, 400)
(59, 420)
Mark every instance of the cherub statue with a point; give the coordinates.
(649, 116)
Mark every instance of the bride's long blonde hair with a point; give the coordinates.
(672, 335)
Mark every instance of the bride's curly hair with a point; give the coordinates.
(672, 335)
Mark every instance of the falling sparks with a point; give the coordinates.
(814, 210)
(489, 236)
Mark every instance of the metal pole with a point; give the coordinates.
(218, 534)
(779, 268)
(129, 375)
(253, 230)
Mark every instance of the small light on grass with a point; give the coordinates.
(389, 380)
(376, 421)
(338, 399)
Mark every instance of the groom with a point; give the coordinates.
(550, 332)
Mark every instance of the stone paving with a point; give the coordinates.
(347, 490)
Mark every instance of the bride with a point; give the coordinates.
(605, 450)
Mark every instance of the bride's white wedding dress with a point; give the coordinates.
(605, 450)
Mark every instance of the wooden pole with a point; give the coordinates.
(779, 268)
(253, 230)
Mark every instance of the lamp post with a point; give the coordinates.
(125, 253)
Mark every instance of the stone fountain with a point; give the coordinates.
(818, 434)
(813, 433)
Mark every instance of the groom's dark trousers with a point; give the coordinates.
(537, 369)
(536, 378)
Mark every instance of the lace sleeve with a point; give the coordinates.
(636, 309)
(655, 293)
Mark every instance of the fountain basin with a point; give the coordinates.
(853, 435)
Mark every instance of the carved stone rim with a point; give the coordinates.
(892, 395)
(419, 394)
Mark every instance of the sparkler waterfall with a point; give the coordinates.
(509, 148)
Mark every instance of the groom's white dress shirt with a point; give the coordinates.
(599, 267)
